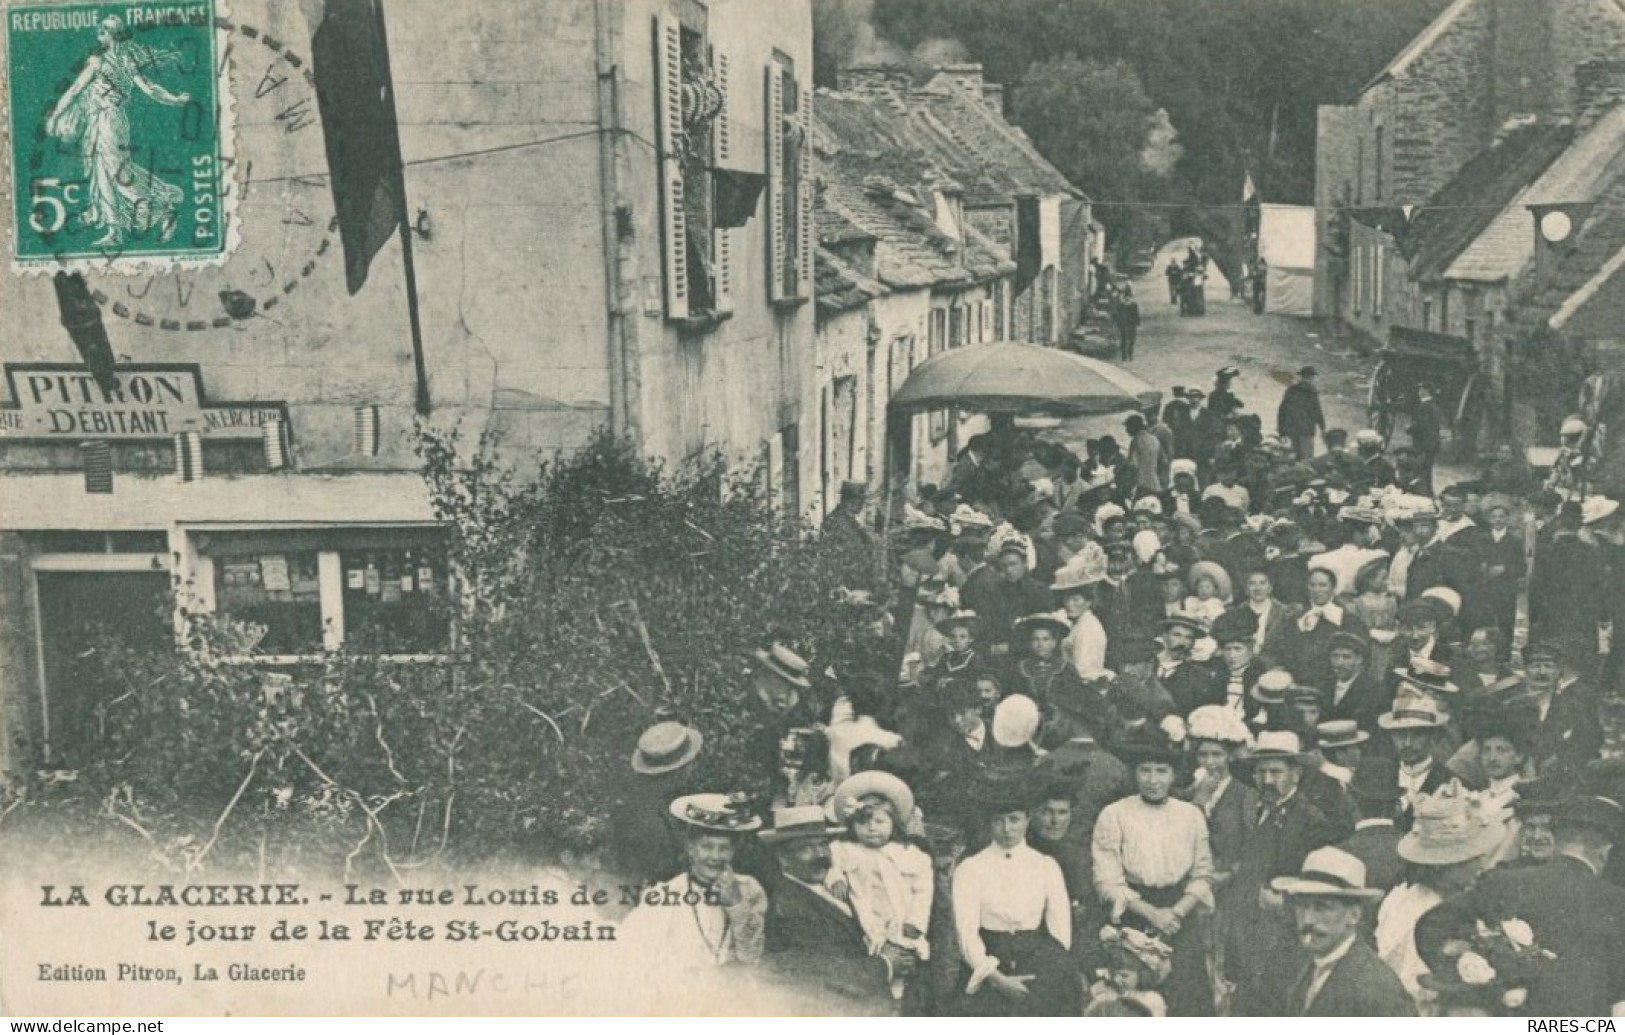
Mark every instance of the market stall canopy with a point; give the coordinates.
(1017, 377)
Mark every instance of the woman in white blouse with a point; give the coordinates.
(1014, 921)
(1154, 870)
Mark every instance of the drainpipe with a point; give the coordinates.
(617, 215)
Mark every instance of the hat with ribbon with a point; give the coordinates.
(1026, 625)
(1277, 744)
(1446, 596)
(785, 663)
(1596, 508)
(1220, 724)
(1194, 625)
(1413, 713)
(1450, 827)
(1084, 571)
(1329, 873)
(1215, 574)
(1272, 687)
(720, 813)
(1426, 683)
(666, 747)
(968, 619)
(799, 822)
(1340, 733)
(1182, 466)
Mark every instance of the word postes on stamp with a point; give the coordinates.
(121, 136)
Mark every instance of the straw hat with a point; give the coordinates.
(1340, 733)
(1027, 624)
(1210, 570)
(966, 618)
(1272, 687)
(666, 747)
(1596, 508)
(1329, 873)
(1413, 713)
(1446, 596)
(721, 813)
(1219, 723)
(798, 822)
(786, 664)
(1283, 744)
(1449, 828)
(852, 790)
(1085, 570)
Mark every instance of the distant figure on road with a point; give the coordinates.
(1426, 424)
(1127, 315)
(1299, 418)
(1174, 276)
(1261, 277)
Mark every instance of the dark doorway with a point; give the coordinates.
(77, 610)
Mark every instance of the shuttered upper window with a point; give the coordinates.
(789, 183)
(695, 136)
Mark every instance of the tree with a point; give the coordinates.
(1094, 121)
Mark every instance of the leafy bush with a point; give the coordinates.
(602, 596)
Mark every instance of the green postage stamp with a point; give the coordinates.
(121, 139)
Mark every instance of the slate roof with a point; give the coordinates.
(992, 158)
(840, 287)
(1507, 246)
(1466, 206)
(1595, 262)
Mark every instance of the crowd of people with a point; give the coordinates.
(1187, 282)
(1210, 723)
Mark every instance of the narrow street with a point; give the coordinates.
(1268, 350)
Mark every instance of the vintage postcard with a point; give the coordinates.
(906, 508)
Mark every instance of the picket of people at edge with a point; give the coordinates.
(1203, 723)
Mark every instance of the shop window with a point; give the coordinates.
(279, 590)
(394, 600)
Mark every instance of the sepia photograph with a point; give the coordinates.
(884, 508)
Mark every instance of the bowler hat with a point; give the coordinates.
(1348, 641)
(666, 747)
(1147, 744)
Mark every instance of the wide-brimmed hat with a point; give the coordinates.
(1345, 565)
(970, 619)
(1226, 373)
(1210, 570)
(1340, 733)
(1414, 713)
(1329, 873)
(1448, 828)
(1219, 723)
(1026, 624)
(966, 516)
(721, 813)
(786, 664)
(1272, 687)
(796, 822)
(1081, 573)
(1182, 466)
(1069, 524)
(1015, 721)
(1148, 743)
(850, 793)
(666, 747)
(1360, 514)
(1376, 779)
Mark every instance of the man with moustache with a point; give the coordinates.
(1190, 683)
(813, 939)
(1343, 977)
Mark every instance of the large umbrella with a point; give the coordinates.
(1016, 377)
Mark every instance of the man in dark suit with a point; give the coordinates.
(1190, 683)
(1570, 731)
(1260, 945)
(1375, 841)
(1571, 910)
(812, 938)
(1343, 977)
(1434, 561)
(1350, 691)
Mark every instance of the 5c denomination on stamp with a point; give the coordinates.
(121, 136)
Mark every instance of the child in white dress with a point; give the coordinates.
(887, 881)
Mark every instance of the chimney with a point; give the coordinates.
(872, 80)
(1599, 87)
(993, 97)
(1523, 76)
(967, 77)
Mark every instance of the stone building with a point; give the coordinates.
(576, 271)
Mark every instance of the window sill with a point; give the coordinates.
(787, 304)
(700, 324)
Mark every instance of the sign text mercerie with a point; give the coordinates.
(64, 402)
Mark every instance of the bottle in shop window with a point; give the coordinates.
(374, 579)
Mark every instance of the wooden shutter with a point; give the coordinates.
(804, 199)
(669, 100)
(721, 238)
(776, 243)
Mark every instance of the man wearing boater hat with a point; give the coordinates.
(662, 765)
(1342, 977)
(1567, 907)
(813, 938)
